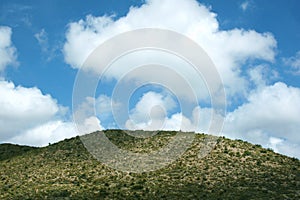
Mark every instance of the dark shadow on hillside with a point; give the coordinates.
(8, 151)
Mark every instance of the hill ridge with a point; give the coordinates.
(234, 169)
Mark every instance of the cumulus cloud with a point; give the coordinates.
(261, 76)
(153, 112)
(89, 125)
(152, 105)
(203, 120)
(270, 115)
(8, 52)
(25, 111)
(27, 116)
(271, 112)
(22, 108)
(104, 105)
(229, 49)
(150, 111)
(84, 117)
(95, 114)
(42, 135)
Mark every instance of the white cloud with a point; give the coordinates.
(152, 105)
(23, 108)
(245, 5)
(294, 63)
(91, 112)
(262, 75)
(82, 37)
(153, 112)
(26, 115)
(274, 142)
(201, 121)
(228, 49)
(42, 135)
(84, 117)
(105, 104)
(90, 124)
(8, 53)
(48, 51)
(26, 111)
(257, 76)
(42, 39)
(271, 112)
(269, 117)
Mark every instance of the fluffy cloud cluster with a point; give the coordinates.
(228, 49)
(7, 50)
(27, 116)
(154, 112)
(152, 106)
(84, 116)
(30, 117)
(43, 134)
(270, 117)
(95, 114)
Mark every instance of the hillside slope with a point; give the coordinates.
(233, 170)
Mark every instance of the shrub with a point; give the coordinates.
(137, 187)
(258, 162)
(258, 145)
(263, 151)
(61, 193)
(247, 153)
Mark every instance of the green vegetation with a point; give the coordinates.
(10, 150)
(65, 170)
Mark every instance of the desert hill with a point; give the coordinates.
(234, 169)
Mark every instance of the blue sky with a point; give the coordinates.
(254, 44)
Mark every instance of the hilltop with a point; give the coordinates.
(234, 169)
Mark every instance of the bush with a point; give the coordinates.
(61, 193)
(137, 187)
(258, 145)
(263, 151)
(258, 162)
(247, 153)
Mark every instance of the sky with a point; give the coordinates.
(253, 44)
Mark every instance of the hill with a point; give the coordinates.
(234, 169)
